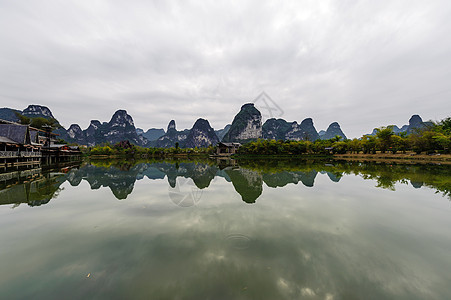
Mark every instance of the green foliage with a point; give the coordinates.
(384, 135)
(429, 139)
(126, 149)
(280, 147)
(387, 176)
(38, 122)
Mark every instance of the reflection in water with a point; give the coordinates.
(247, 177)
(317, 231)
(35, 189)
(247, 183)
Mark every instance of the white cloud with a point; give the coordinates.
(363, 63)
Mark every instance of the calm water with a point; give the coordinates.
(238, 230)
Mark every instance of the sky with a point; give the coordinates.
(363, 64)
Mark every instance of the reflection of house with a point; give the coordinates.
(226, 149)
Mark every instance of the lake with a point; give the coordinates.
(250, 229)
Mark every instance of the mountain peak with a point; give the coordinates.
(310, 133)
(307, 121)
(121, 118)
(171, 125)
(75, 133)
(247, 125)
(415, 120)
(95, 123)
(34, 110)
(247, 105)
(201, 135)
(333, 130)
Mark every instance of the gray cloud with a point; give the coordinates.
(361, 63)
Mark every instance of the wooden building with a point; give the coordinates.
(227, 149)
(18, 146)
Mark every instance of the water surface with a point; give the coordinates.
(230, 230)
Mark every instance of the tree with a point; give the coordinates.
(443, 141)
(38, 122)
(355, 145)
(398, 143)
(384, 135)
(369, 144)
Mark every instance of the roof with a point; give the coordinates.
(57, 145)
(229, 144)
(6, 140)
(33, 136)
(2, 121)
(18, 133)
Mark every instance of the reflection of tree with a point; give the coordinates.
(386, 175)
(247, 176)
(386, 182)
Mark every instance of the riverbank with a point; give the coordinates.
(284, 156)
(404, 158)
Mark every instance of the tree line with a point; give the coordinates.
(125, 148)
(435, 138)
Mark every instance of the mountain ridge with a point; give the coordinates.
(246, 126)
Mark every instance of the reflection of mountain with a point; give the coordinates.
(121, 179)
(36, 188)
(120, 182)
(283, 178)
(247, 183)
(335, 176)
(201, 173)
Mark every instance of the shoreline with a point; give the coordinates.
(378, 157)
(404, 158)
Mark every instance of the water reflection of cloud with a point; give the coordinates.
(333, 241)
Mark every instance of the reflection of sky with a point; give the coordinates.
(330, 241)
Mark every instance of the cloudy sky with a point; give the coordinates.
(361, 63)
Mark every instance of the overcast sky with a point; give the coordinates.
(360, 63)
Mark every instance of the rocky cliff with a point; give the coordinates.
(151, 134)
(305, 131)
(9, 114)
(201, 135)
(222, 132)
(172, 137)
(119, 128)
(332, 131)
(33, 111)
(75, 134)
(415, 123)
(246, 126)
(279, 129)
(275, 129)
